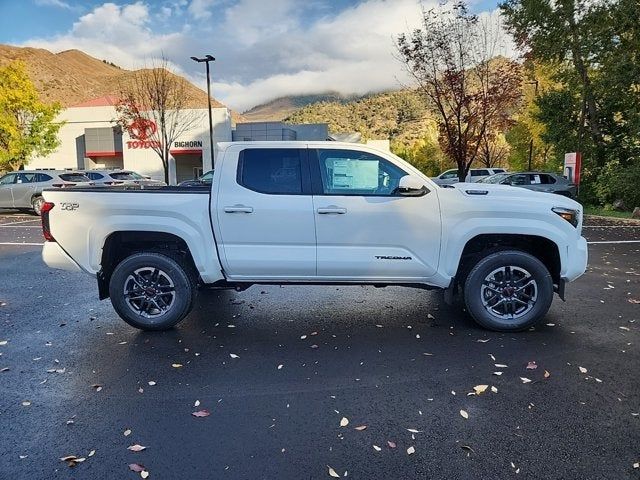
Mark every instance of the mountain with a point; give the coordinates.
(283, 107)
(72, 77)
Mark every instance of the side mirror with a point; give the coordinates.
(410, 186)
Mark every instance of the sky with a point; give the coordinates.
(264, 49)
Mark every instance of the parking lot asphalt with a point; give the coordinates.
(279, 369)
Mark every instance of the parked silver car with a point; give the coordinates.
(23, 189)
(449, 177)
(120, 177)
(538, 181)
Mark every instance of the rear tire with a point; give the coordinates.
(508, 291)
(36, 204)
(152, 291)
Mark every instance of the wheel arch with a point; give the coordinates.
(121, 244)
(542, 248)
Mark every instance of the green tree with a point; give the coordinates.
(27, 125)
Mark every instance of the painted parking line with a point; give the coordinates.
(21, 221)
(22, 244)
(611, 226)
(604, 242)
(20, 226)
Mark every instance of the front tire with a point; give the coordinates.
(152, 291)
(508, 291)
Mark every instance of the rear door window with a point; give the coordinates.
(74, 177)
(43, 177)
(275, 171)
(25, 177)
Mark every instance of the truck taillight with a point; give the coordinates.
(46, 231)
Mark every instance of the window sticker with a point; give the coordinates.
(353, 174)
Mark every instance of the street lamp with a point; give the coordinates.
(535, 94)
(206, 60)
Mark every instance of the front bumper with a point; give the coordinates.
(577, 258)
(55, 257)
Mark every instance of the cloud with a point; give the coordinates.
(53, 3)
(264, 49)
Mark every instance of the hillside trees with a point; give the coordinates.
(593, 47)
(27, 125)
(452, 59)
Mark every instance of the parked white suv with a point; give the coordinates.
(450, 177)
(318, 213)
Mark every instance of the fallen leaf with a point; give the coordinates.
(582, 370)
(127, 432)
(630, 300)
(136, 467)
(498, 373)
(201, 413)
(151, 383)
(360, 428)
(26, 403)
(546, 374)
(91, 453)
(494, 389)
(136, 448)
(344, 422)
(532, 366)
(176, 365)
(626, 329)
(280, 367)
(3, 343)
(233, 355)
(144, 474)
(464, 414)
(411, 451)
(4, 369)
(483, 340)
(97, 387)
(468, 448)
(479, 389)
(196, 403)
(525, 380)
(501, 365)
(636, 465)
(376, 448)
(391, 444)
(332, 472)
(413, 430)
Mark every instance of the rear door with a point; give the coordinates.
(365, 229)
(6, 197)
(264, 211)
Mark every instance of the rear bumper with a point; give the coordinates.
(55, 257)
(577, 258)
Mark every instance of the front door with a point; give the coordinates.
(6, 197)
(265, 214)
(365, 230)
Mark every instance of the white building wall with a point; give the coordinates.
(70, 153)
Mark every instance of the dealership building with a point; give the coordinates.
(90, 138)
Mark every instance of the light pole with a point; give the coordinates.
(206, 60)
(535, 95)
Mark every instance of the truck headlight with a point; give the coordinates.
(571, 216)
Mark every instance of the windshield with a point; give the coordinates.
(497, 178)
(207, 177)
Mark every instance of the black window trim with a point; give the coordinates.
(305, 175)
(316, 176)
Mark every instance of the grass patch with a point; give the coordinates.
(606, 213)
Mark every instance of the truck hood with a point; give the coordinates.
(479, 191)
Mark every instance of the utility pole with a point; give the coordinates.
(206, 60)
(535, 95)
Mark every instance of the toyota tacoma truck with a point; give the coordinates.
(318, 213)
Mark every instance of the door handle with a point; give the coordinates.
(332, 210)
(238, 209)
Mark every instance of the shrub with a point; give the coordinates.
(616, 182)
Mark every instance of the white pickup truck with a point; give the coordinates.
(318, 213)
